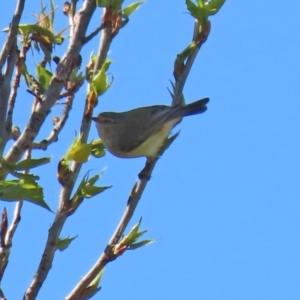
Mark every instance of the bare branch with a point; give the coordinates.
(3, 231)
(4, 250)
(11, 36)
(21, 57)
(53, 137)
(105, 41)
(5, 89)
(14, 224)
(94, 33)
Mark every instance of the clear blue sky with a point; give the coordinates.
(223, 200)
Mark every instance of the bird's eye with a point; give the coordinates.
(107, 121)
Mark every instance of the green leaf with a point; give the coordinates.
(52, 9)
(63, 243)
(93, 287)
(24, 176)
(47, 52)
(24, 165)
(76, 76)
(130, 241)
(15, 190)
(127, 11)
(188, 50)
(99, 82)
(78, 193)
(192, 7)
(169, 141)
(139, 234)
(200, 3)
(78, 152)
(213, 6)
(30, 163)
(26, 74)
(204, 9)
(81, 153)
(87, 187)
(97, 279)
(182, 57)
(89, 191)
(34, 28)
(196, 11)
(97, 148)
(59, 39)
(140, 244)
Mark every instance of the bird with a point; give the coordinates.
(143, 131)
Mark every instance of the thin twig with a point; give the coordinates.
(7, 236)
(8, 55)
(15, 86)
(14, 224)
(11, 36)
(4, 251)
(105, 42)
(200, 38)
(5, 90)
(53, 137)
(94, 33)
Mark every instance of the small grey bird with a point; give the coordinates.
(142, 131)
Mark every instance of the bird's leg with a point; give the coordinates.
(146, 172)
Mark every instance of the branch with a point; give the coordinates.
(53, 137)
(94, 33)
(5, 90)
(8, 54)
(79, 291)
(199, 38)
(7, 243)
(105, 41)
(81, 21)
(14, 224)
(107, 255)
(4, 251)
(11, 36)
(21, 57)
(7, 235)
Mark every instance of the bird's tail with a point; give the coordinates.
(195, 108)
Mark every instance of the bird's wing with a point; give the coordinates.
(143, 127)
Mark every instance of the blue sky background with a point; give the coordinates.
(223, 200)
